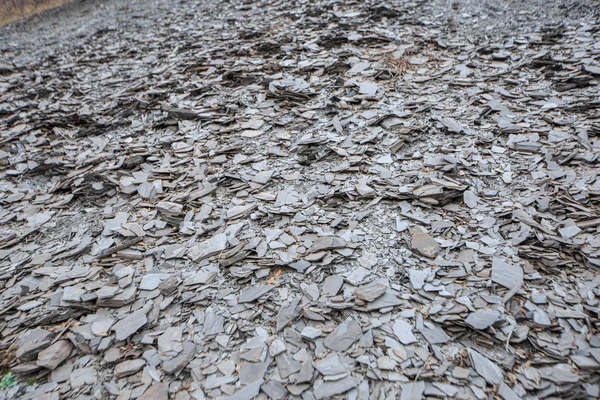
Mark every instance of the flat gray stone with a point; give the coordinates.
(327, 243)
(470, 199)
(559, 374)
(52, 356)
(412, 391)
(486, 368)
(250, 372)
(507, 393)
(388, 299)
(323, 389)
(332, 285)
(83, 376)
(435, 335)
(213, 322)
(158, 391)
(32, 343)
(209, 247)
(130, 324)
(287, 365)
(150, 281)
(248, 392)
(482, 319)
(371, 291)
(343, 336)
(288, 311)
(330, 365)
(508, 275)
(569, 231)
(417, 277)
(147, 190)
(254, 292)
(127, 296)
(179, 362)
(403, 331)
(424, 245)
(128, 367)
(170, 342)
(275, 390)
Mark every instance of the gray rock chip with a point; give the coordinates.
(435, 335)
(569, 231)
(327, 243)
(127, 296)
(311, 333)
(559, 374)
(388, 299)
(147, 190)
(461, 373)
(130, 324)
(508, 275)
(179, 362)
(482, 319)
(371, 291)
(424, 245)
(412, 391)
(330, 365)
(254, 292)
(323, 389)
(417, 277)
(287, 312)
(275, 390)
(158, 391)
(32, 343)
(170, 342)
(55, 354)
(209, 247)
(403, 331)
(343, 336)
(169, 208)
(332, 285)
(213, 322)
(486, 368)
(128, 367)
(83, 376)
(507, 393)
(150, 281)
(250, 372)
(287, 365)
(248, 392)
(470, 199)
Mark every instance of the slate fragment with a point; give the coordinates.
(323, 389)
(54, 355)
(130, 324)
(32, 343)
(343, 336)
(508, 275)
(486, 368)
(482, 319)
(424, 245)
(254, 292)
(128, 367)
(371, 291)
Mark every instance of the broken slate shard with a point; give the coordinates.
(508, 275)
(486, 368)
(482, 319)
(424, 245)
(343, 336)
(254, 292)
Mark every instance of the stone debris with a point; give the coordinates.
(301, 200)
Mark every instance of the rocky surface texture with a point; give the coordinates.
(301, 200)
